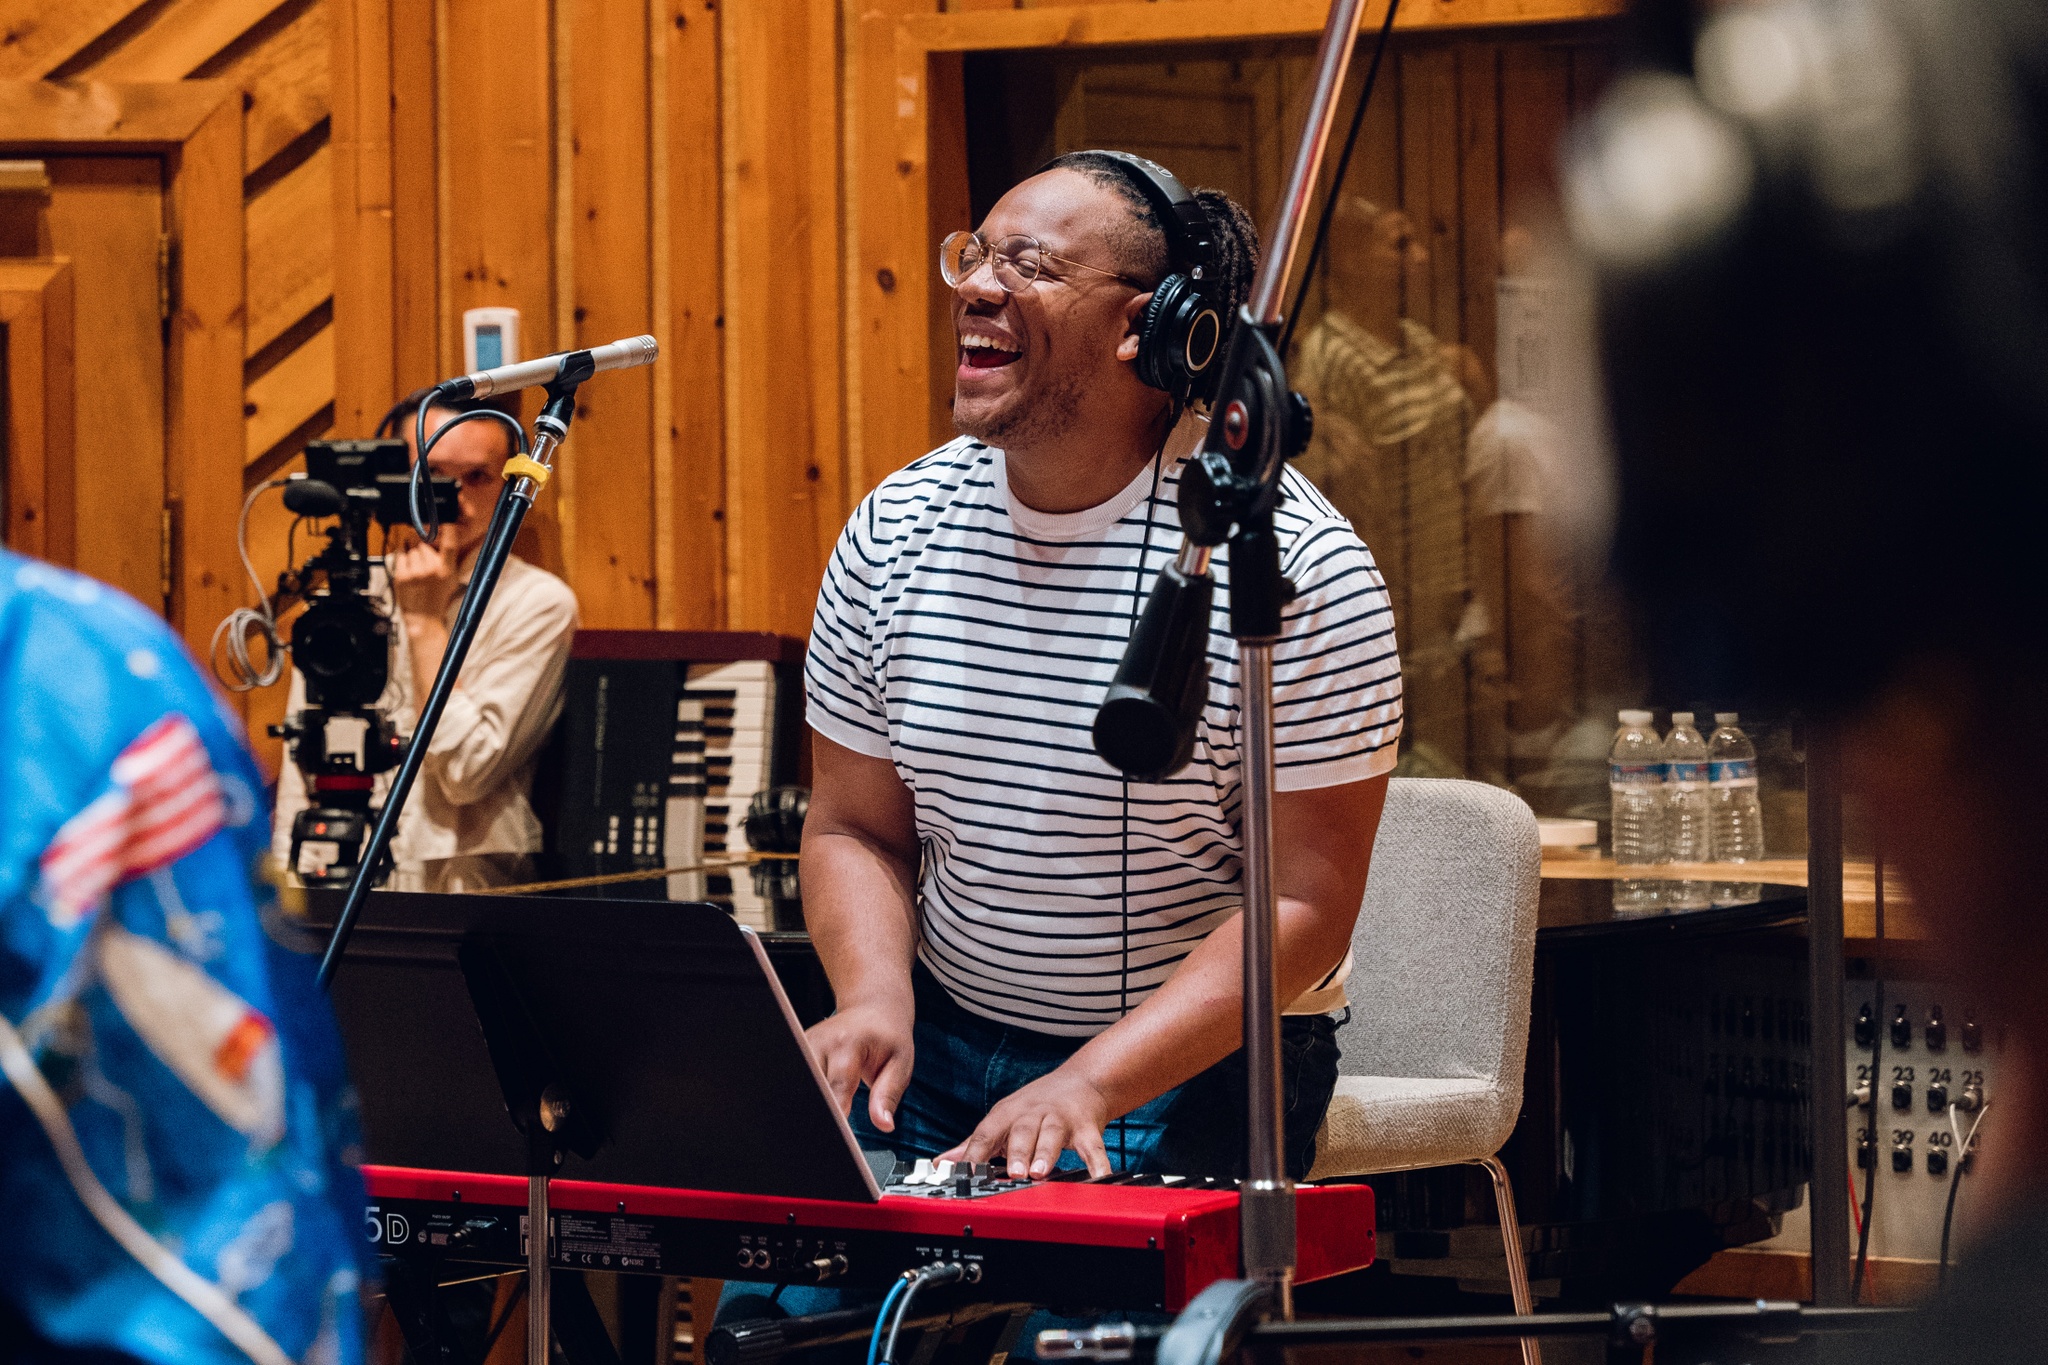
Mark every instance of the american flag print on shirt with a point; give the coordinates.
(165, 802)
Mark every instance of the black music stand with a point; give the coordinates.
(636, 1043)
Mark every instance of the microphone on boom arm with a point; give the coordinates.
(1146, 725)
(560, 372)
(572, 367)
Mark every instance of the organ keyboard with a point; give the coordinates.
(667, 736)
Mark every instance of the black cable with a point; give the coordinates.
(428, 528)
(896, 1323)
(1123, 987)
(1955, 1182)
(1877, 1028)
(935, 1273)
(1948, 1218)
(1870, 1171)
(1315, 245)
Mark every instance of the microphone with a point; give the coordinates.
(569, 366)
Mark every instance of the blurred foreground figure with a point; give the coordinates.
(1820, 234)
(173, 1107)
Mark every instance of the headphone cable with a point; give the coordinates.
(1123, 988)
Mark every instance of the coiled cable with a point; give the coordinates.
(241, 673)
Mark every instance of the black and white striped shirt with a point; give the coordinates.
(969, 639)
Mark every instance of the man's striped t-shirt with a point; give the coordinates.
(968, 639)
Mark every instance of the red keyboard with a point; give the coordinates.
(1078, 1244)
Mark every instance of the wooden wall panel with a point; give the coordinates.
(785, 472)
(267, 149)
(417, 160)
(611, 446)
(202, 476)
(40, 37)
(290, 225)
(284, 69)
(366, 239)
(291, 393)
(179, 38)
(694, 583)
(495, 137)
(495, 134)
(947, 209)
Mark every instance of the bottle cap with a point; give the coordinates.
(1635, 717)
(1726, 717)
(1681, 717)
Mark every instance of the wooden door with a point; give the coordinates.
(106, 214)
(37, 395)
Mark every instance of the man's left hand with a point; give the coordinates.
(1035, 1124)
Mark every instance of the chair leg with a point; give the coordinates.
(1511, 1244)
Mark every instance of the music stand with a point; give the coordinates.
(627, 1042)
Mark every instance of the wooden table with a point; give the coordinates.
(1905, 931)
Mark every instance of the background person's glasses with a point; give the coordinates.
(1014, 261)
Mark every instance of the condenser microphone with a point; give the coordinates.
(566, 366)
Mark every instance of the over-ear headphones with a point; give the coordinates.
(1180, 333)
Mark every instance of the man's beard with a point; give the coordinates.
(1033, 420)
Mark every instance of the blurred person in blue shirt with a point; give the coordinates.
(176, 1128)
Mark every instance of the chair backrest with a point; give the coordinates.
(1446, 939)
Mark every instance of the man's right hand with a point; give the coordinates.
(871, 1044)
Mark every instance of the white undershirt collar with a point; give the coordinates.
(1181, 442)
(1068, 525)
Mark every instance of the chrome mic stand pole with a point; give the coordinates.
(1146, 725)
(1266, 1207)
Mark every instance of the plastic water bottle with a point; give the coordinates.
(1635, 788)
(1737, 814)
(1687, 838)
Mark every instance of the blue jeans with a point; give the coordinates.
(966, 1063)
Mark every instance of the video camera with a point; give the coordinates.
(342, 646)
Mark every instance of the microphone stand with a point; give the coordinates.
(524, 478)
(1146, 725)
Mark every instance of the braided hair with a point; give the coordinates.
(1141, 251)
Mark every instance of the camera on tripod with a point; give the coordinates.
(341, 643)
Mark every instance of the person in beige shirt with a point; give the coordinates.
(473, 794)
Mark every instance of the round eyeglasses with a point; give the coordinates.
(1014, 261)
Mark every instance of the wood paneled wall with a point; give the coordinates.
(279, 55)
(733, 178)
(612, 167)
(756, 184)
